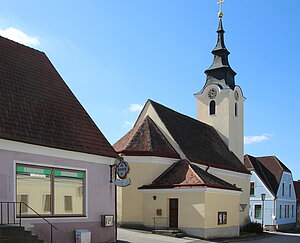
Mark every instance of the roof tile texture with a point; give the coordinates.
(145, 139)
(183, 173)
(37, 106)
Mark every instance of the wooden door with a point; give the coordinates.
(173, 213)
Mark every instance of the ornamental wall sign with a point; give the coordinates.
(122, 170)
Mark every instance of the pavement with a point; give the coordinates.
(140, 236)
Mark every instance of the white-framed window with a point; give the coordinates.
(222, 218)
(280, 211)
(68, 203)
(212, 107)
(257, 211)
(47, 203)
(24, 198)
(54, 191)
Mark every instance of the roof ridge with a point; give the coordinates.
(183, 115)
(18, 43)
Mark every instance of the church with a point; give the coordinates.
(188, 173)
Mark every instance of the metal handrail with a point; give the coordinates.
(20, 215)
(160, 222)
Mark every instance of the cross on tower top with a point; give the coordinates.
(220, 14)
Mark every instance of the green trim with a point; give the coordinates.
(68, 174)
(33, 170)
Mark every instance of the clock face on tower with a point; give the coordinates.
(212, 93)
(236, 95)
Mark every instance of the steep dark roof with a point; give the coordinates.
(37, 107)
(268, 168)
(182, 174)
(145, 139)
(200, 142)
(297, 190)
(220, 72)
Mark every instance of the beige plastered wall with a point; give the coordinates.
(130, 199)
(242, 181)
(198, 209)
(229, 126)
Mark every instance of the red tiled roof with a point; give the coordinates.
(182, 174)
(37, 106)
(145, 139)
(268, 168)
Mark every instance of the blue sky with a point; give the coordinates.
(116, 54)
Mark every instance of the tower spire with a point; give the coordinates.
(220, 72)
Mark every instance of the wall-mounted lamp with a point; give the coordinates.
(154, 197)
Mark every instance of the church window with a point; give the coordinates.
(212, 108)
(235, 109)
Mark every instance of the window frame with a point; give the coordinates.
(212, 108)
(252, 183)
(222, 218)
(52, 213)
(255, 216)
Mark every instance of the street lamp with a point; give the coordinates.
(263, 198)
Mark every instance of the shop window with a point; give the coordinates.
(222, 217)
(212, 108)
(257, 211)
(252, 186)
(53, 191)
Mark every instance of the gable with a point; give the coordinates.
(145, 138)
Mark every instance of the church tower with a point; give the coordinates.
(220, 103)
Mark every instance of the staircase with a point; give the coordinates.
(168, 232)
(16, 234)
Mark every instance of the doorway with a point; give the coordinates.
(173, 213)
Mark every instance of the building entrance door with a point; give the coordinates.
(173, 213)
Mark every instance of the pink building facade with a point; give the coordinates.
(53, 158)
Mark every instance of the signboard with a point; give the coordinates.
(122, 170)
(107, 220)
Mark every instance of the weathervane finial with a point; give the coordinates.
(220, 14)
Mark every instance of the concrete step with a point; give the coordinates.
(14, 234)
(169, 232)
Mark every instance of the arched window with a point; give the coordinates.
(236, 109)
(212, 108)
